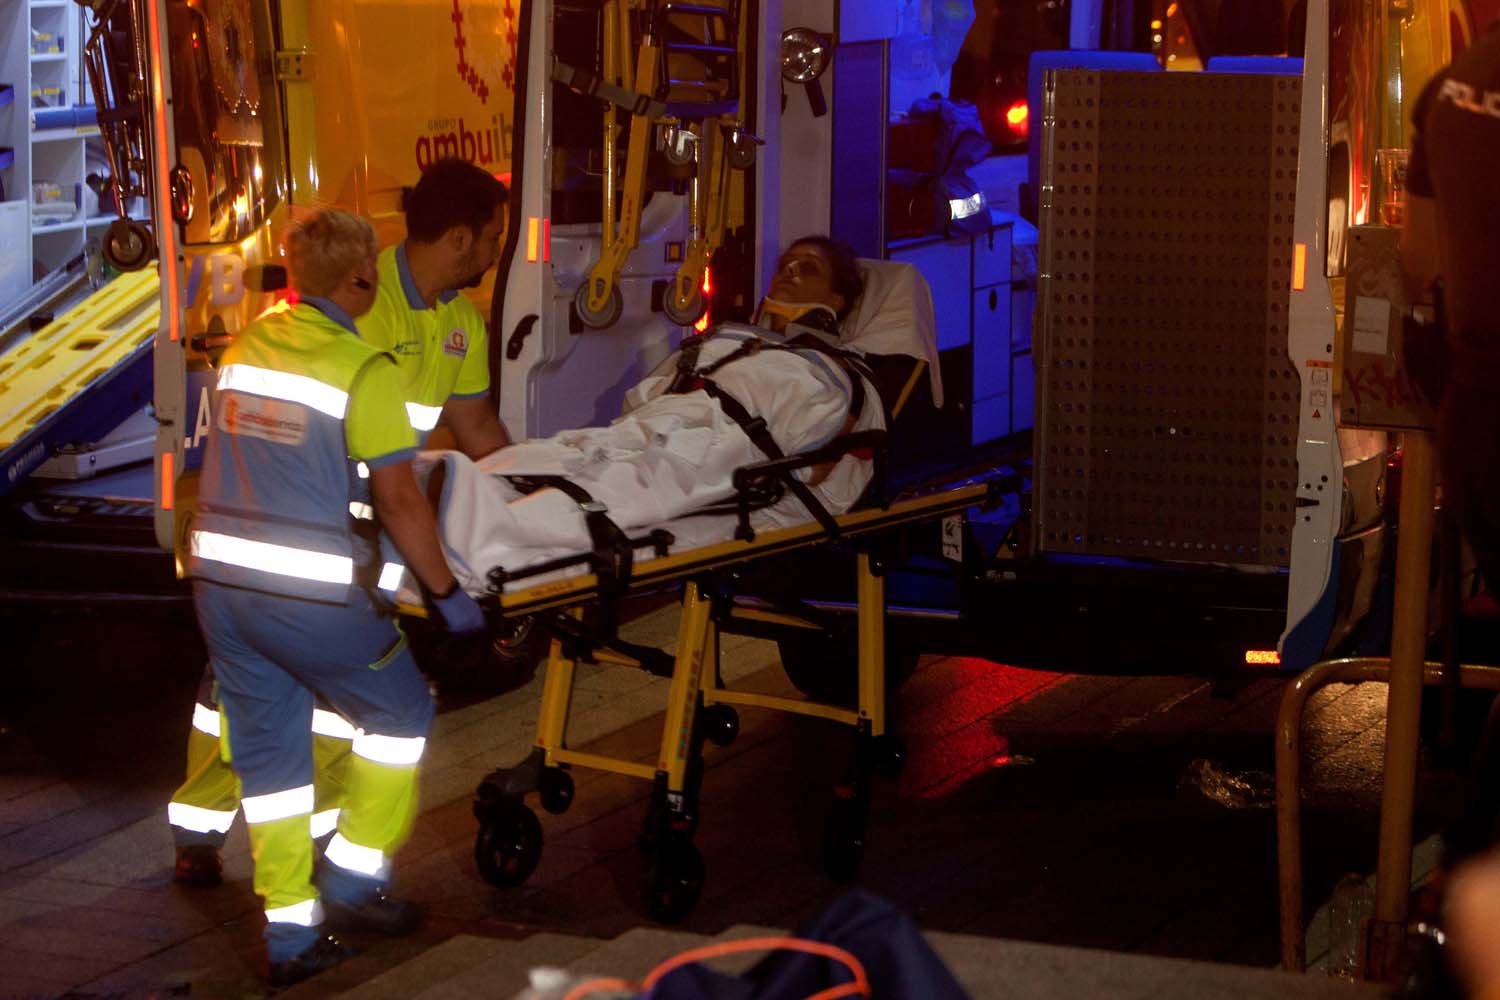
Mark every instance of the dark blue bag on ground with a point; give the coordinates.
(898, 962)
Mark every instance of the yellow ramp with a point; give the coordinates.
(59, 361)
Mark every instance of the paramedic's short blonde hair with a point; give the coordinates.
(323, 248)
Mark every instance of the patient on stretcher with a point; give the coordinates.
(808, 371)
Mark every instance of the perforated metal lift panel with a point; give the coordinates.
(1167, 408)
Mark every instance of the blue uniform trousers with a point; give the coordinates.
(271, 655)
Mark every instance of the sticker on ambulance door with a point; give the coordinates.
(953, 537)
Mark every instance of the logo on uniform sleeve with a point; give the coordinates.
(268, 419)
(457, 344)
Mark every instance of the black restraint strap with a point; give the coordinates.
(614, 555)
(690, 378)
(760, 435)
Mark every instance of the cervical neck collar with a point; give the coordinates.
(813, 314)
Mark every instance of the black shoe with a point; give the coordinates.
(323, 954)
(383, 914)
(198, 865)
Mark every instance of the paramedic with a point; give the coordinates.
(278, 572)
(455, 218)
(1452, 216)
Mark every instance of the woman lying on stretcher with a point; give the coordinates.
(733, 397)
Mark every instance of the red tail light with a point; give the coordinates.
(1017, 119)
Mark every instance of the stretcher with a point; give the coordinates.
(699, 707)
(681, 94)
(576, 596)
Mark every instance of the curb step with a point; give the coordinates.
(470, 965)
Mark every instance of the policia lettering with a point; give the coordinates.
(1469, 98)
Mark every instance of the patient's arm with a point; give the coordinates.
(405, 515)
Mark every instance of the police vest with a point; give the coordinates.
(280, 500)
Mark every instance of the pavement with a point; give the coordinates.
(1053, 834)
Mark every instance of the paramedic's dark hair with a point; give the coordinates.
(451, 192)
(847, 279)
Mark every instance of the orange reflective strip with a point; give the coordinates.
(533, 228)
(166, 240)
(1299, 267)
(168, 481)
(1262, 657)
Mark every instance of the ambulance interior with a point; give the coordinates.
(814, 171)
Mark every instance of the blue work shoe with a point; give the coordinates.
(199, 866)
(321, 955)
(380, 913)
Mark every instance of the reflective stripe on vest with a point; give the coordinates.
(206, 719)
(278, 805)
(266, 557)
(423, 418)
(308, 913)
(397, 751)
(199, 820)
(286, 386)
(390, 577)
(367, 861)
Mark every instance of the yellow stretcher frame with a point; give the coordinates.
(508, 844)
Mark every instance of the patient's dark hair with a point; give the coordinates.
(847, 279)
(452, 192)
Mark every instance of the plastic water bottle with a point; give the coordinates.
(1353, 901)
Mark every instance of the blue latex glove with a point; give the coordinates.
(459, 612)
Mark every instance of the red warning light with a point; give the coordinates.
(1017, 119)
(708, 287)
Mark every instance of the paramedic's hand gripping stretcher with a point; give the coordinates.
(748, 442)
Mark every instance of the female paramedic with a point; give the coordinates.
(279, 575)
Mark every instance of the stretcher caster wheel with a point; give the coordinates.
(687, 314)
(128, 245)
(508, 845)
(721, 724)
(741, 151)
(674, 880)
(604, 318)
(844, 840)
(888, 754)
(555, 789)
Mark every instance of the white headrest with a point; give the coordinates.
(893, 315)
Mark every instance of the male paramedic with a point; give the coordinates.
(455, 220)
(280, 576)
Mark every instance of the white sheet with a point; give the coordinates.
(667, 456)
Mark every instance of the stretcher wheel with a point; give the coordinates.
(741, 152)
(721, 724)
(555, 789)
(844, 838)
(607, 316)
(689, 313)
(509, 843)
(674, 880)
(128, 245)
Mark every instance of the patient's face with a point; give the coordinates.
(804, 274)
